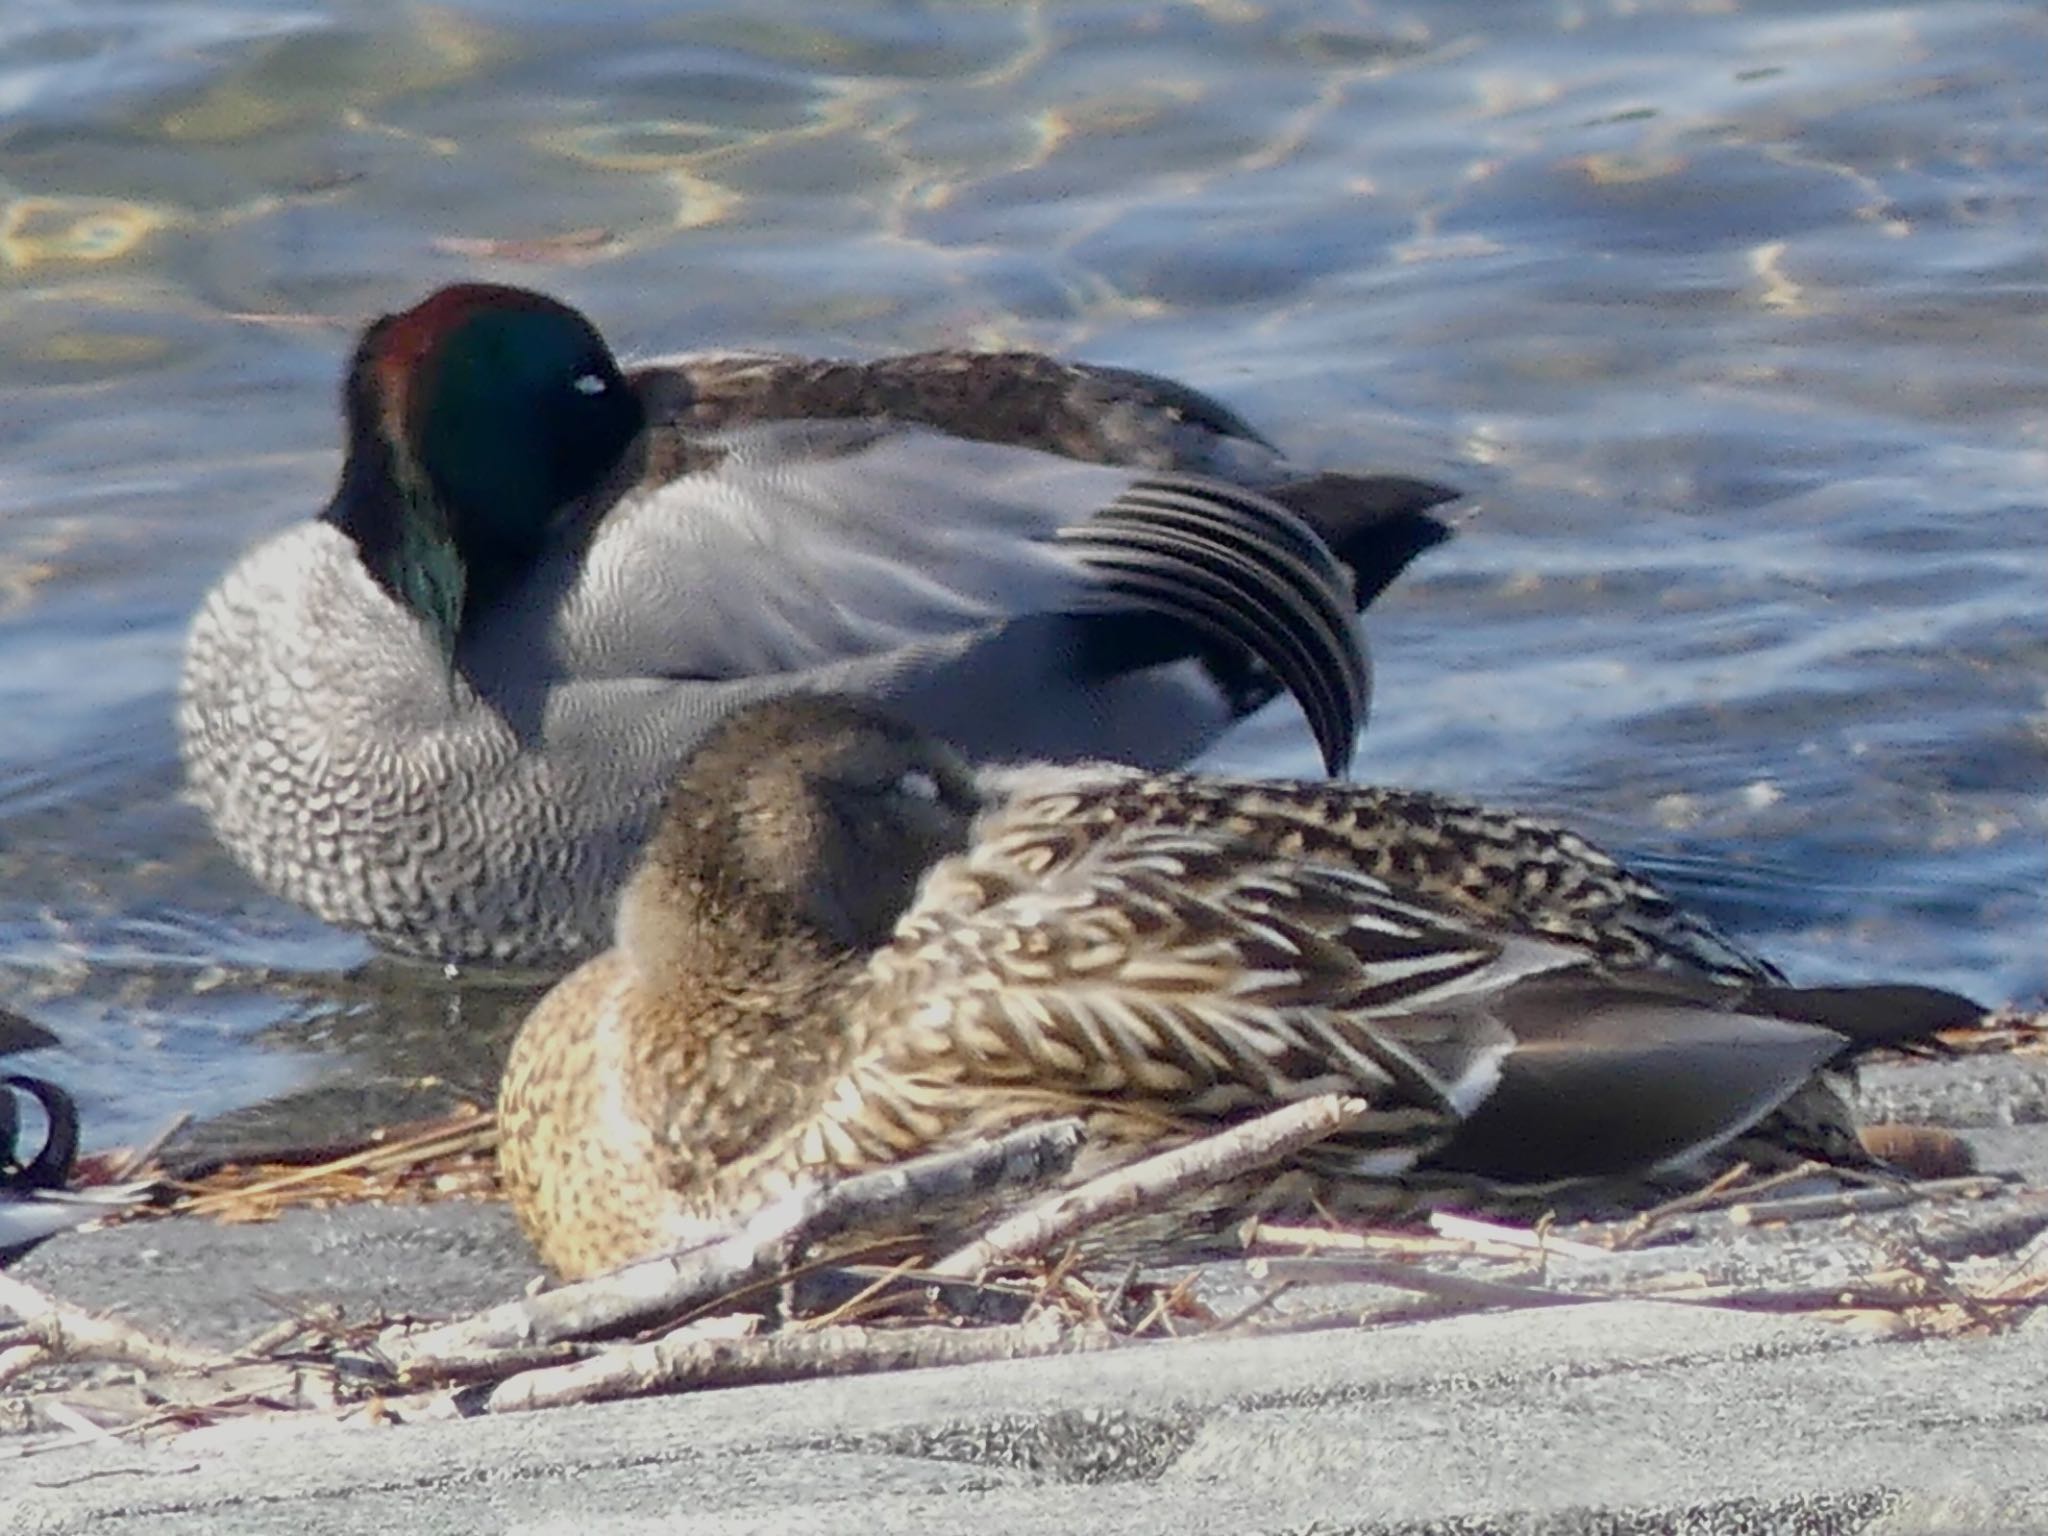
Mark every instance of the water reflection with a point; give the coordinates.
(1729, 313)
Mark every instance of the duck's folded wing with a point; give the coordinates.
(1089, 411)
(1160, 979)
(808, 544)
(26, 1221)
(1609, 1079)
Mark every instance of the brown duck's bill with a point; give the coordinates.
(1242, 569)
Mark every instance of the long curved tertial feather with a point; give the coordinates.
(1243, 569)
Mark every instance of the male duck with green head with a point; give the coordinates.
(443, 713)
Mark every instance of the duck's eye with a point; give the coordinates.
(590, 384)
(919, 784)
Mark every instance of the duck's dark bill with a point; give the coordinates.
(1239, 568)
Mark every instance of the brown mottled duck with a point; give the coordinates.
(844, 947)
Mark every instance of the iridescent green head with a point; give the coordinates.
(478, 420)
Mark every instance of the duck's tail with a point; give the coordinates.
(1886, 1016)
(1376, 524)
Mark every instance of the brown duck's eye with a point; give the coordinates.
(590, 382)
(919, 784)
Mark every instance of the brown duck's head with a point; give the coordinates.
(809, 817)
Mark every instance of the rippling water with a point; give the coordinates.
(1733, 316)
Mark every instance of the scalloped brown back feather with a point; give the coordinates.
(1524, 873)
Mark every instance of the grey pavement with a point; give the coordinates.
(1621, 1416)
(1611, 1417)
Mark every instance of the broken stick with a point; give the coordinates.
(71, 1333)
(1152, 1182)
(1860, 1202)
(680, 1361)
(763, 1247)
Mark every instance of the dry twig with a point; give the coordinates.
(232, 1193)
(1860, 1202)
(656, 1288)
(1462, 1290)
(1256, 1233)
(683, 1360)
(129, 1164)
(20, 1359)
(1536, 1240)
(1640, 1227)
(71, 1333)
(1152, 1182)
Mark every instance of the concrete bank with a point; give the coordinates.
(1623, 1416)
(1613, 1416)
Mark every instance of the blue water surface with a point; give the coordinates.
(1733, 317)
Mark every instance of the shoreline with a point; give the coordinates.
(1704, 1416)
